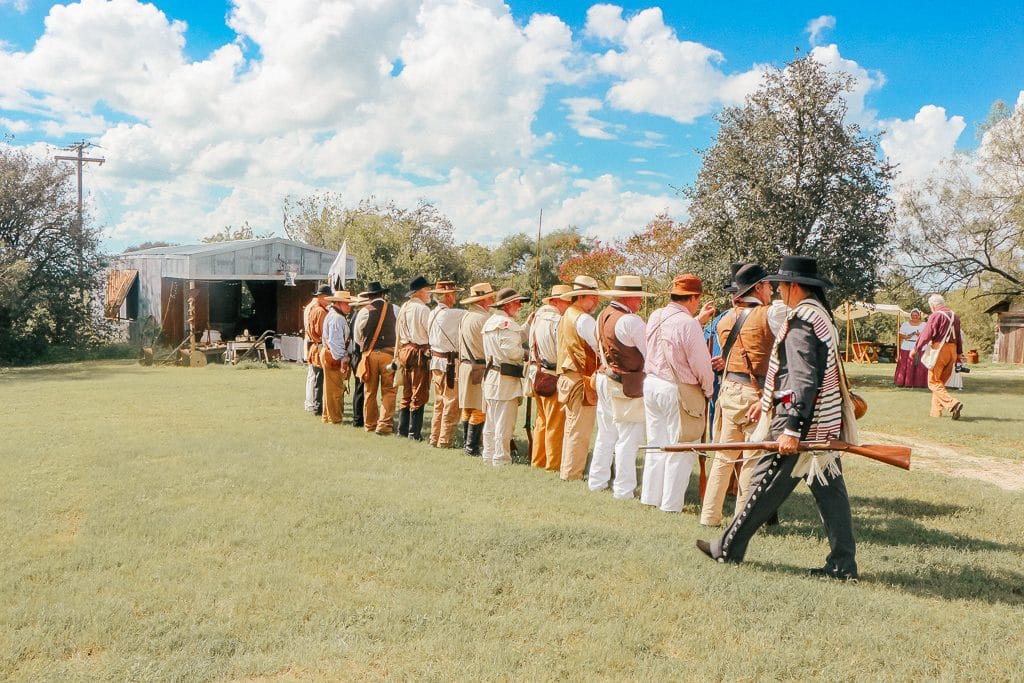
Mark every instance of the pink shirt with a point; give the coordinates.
(676, 351)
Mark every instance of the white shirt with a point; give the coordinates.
(544, 334)
(586, 327)
(908, 329)
(411, 326)
(336, 334)
(359, 324)
(443, 331)
(503, 343)
(631, 330)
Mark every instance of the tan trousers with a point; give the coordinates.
(734, 400)
(579, 425)
(383, 380)
(473, 416)
(548, 432)
(937, 377)
(334, 390)
(446, 410)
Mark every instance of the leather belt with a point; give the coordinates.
(507, 369)
(450, 355)
(743, 378)
(473, 362)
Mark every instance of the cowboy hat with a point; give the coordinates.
(556, 292)
(445, 287)
(687, 284)
(419, 282)
(373, 290)
(479, 291)
(748, 277)
(626, 286)
(507, 296)
(730, 283)
(343, 296)
(323, 290)
(799, 269)
(583, 285)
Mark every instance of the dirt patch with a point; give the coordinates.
(68, 524)
(934, 457)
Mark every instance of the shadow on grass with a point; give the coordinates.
(73, 371)
(948, 583)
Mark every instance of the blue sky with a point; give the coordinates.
(210, 113)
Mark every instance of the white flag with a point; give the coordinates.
(336, 275)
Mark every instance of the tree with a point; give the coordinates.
(230, 234)
(656, 253)
(786, 174)
(964, 227)
(149, 244)
(41, 267)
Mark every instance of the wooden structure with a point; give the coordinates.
(862, 351)
(1009, 321)
(229, 287)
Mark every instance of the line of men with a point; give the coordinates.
(636, 381)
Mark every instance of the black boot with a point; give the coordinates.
(403, 422)
(465, 433)
(416, 424)
(474, 435)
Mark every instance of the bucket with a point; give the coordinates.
(972, 356)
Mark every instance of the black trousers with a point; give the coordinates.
(358, 394)
(318, 402)
(771, 484)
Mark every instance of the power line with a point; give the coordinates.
(79, 159)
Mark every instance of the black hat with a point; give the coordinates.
(373, 290)
(507, 296)
(747, 277)
(324, 290)
(730, 284)
(418, 283)
(801, 269)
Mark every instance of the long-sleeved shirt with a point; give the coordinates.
(937, 328)
(443, 330)
(336, 335)
(676, 351)
(503, 343)
(544, 335)
(412, 323)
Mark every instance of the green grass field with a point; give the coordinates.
(177, 524)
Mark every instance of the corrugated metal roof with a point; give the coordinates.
(220, 247)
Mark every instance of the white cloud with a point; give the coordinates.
(866, 81)
(15, 126)
(659, 74)
(581, 120)
(20, 6)
(815, 27)
(918, 145)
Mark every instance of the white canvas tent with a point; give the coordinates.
(855, 310)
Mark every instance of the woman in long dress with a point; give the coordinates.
(909, 372)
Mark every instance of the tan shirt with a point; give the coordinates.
(412, 323)
(503, 343)
(443, 331)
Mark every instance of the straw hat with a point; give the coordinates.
(446, 287)
(344, 297)
(507, 296)
(686, 285)
(480, 290)
(626, 286)
(583, 285)
(556, 292)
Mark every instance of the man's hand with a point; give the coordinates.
(913, 353)
(717, 363)
(754, 412)
(706, 313)
(788, 445)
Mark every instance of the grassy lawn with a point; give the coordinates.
(176, 524)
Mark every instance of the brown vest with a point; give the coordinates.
(574, 354)
(386, 340)
(625, 362)
(755, 342)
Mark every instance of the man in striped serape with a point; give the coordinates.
(802, 400)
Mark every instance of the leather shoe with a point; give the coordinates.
(829, 573)
(956, 410)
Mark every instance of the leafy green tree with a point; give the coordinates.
(231, 234)
(787, 174)
(44, 264)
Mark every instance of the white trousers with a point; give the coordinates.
(310, 404)
(666, 475)
(498, 428)
(616, 442)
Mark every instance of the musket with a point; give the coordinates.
(897, 456)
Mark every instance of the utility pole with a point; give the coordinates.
(79, 158)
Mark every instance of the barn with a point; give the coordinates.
(1009, 320)
(229, 287)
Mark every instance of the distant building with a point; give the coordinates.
(233, 286)
(1009, 320)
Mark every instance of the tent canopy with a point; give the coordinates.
(854, 310)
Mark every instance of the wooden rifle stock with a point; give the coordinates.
(897, 456)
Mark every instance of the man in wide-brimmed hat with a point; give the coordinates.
(503, 383)
(678, 383)
(313, 316)
(335, 354)
(804, 398)
(711, 339)
(413, 354)
(443, 330)
(549, 429)
(621, 335)
(745, 334)
(472, 364)
(577, 364)
(374, 331)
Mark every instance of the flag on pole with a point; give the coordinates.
(336, 275)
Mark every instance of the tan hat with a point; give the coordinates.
(507, 296)
(686, 285)
(446, 287)
(480, 290)
(556, 292)
(626, 286)
(345, 297)
(583, 285)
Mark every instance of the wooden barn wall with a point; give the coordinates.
(1010, 342)
(172, 305)
(290, 302)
